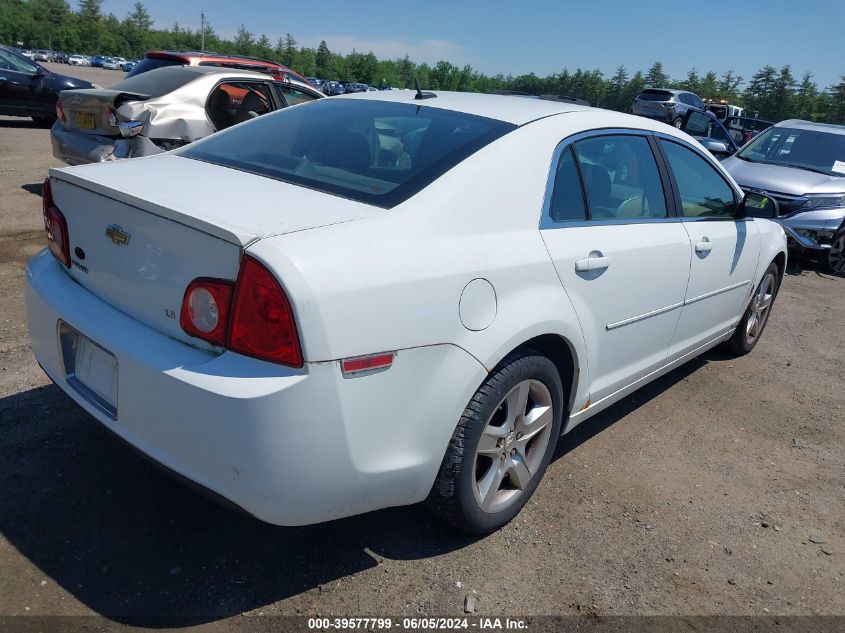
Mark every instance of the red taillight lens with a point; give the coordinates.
(253, 317)
(205, 309)
(55, 226)
(262, 323)
(60, 112)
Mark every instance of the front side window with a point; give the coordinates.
(376, 152)
(621, 178)
(702, 126)
(293, 95)
(703, 191)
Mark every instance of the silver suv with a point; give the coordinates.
(802, 166)
(664, 104)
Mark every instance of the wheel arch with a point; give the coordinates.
(560, 350)
(780, 261)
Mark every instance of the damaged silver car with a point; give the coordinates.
(802, 166)
(164, 109)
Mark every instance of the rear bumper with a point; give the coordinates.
(289, 446)
(79, 148)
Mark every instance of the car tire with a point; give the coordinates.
(44, 121)
(753, 322)
(502, 445)
(836, 254)
(678, 122)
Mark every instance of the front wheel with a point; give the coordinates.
(501, 446)
(836, 256)
(678, 122)
(753, 322)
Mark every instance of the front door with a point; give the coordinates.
(18, 82)
(724, 250)
(622, 261)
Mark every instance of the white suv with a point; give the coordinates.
(385, 298)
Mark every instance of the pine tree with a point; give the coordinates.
(243, 41)
(656, 78)
(324, 58)
(139, 18)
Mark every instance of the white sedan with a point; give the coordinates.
(392, 297)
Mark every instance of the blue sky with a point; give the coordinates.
(543, 36)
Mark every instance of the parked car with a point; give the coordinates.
(60, 58)
(332, 88)
(76, 60)
(42, 55)
(666, 105)
(802, 166)
(742, 129)
(163, 109)
(160, 59)
(722, 109)
(127, 66)
(28, 89)
(98, 60)
(112, 63)
(309, 328)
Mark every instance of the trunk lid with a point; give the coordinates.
(145, 228)
(91, 111)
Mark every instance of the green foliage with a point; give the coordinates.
(54, 24)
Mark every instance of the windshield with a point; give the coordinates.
(813, 150)
(158, 82)
(376, 152)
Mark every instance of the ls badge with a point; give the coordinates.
(117, 235)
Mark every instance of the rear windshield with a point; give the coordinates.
(150, 63)
(376, 152)
(656, 95)
(155, 84)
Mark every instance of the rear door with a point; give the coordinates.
(724, 250)
(623, 261)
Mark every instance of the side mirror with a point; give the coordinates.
(758, 205)
(716, 147)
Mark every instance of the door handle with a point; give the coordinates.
(592, 262)
(704, 246)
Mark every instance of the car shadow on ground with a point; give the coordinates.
(129, 543)
(36, 188)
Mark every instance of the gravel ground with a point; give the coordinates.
(718, 489)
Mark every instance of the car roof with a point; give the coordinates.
(811, 125)
(510, 109)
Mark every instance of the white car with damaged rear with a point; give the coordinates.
(385, 298)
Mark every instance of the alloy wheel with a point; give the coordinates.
(512, 445)
(760, 306)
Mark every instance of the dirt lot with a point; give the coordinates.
(719, 489)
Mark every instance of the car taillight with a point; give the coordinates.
(205, 309)
(262, 323)
(55, 226)
(252, 317)
(60, 112)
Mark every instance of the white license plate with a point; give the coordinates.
(90, 369)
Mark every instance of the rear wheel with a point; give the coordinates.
(678, 122)
(501, 446)
(753, 322)
(836, 256)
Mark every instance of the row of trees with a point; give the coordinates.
(772, 93)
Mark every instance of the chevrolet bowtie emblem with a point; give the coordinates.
(117, 235)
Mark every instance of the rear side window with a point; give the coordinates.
(703, 191)
(151, 63)
(621, 178)
(567, 202)
(234, 102)
(376, 152)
